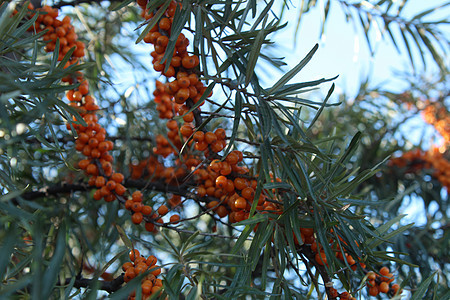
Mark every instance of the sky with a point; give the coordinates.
(343, 49)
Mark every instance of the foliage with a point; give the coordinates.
(331, 196)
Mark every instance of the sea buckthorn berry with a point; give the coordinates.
(384, 271)
(120, 189)
(136, 206)
(248, 193)
(175, 219)
(232, 158)
(137, 218)
(373, 291)
(186, 130)
(216, 165)
(225, 169)
(165, 24)
(240, 203)
(126, 266)
(321, 258)
(184, 82)
(156, 271)
(100, 181)
(220, 133)
(395, 287)
(137, 196)
(151, 260)
(129, 274)
(163, 210)
(188, 62)
(84, 163)
(129, 204)
(240, 183)
(146, 210)
(221, 182)
(111, 185)
(182, 95)
(150, 227)
(199, 136)
(176, 61)
(384, 287)
(133, 254)
(189, 117)
(193, 79)
(97, 195)
(210, 137)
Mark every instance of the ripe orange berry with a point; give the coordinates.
(220, 133)
(384, 271)
(240, 183)
(84, 163)
(100, 181)
(150, 227)
(221, 182)
(210, 137)
(182, 95)
(165, 24)
(186, 130)
(137, 196)
(395, 287)
(248, 193)
(384, 287)
(134, 254)
(146, 210)
(321, 258)
(126, 266)
(120, 189)
(240, 203)
(163, 210)
(174, 219)
(373, 291)
(136, 206)
(137, 218)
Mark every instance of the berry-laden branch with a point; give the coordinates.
(197, 168)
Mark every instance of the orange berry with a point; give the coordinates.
(248, 193)
(137, 218)
(199, 136)
(137, 196)
(146, 210)
(174, 219)
(210, 137)
(240, 203)
(186, 130)
(373, 291)
(100, 181)
(120, 189)
(395, 287)
(163, 210)
(165, 24)
(384, 271)
(134, 254)
(149, 226)
(126, 266)
(384, 287)
(321, 258)
(221, 182)
(220, 133)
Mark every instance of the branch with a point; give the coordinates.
(108, 286)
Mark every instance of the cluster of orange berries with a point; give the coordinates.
(417, 160)
(382, 283)
(342, 296)
(150, 285)
(140, 211)
(437, 115)
(91, 141)
(61, 30)
(307, 235)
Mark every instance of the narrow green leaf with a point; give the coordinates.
(289, 75)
